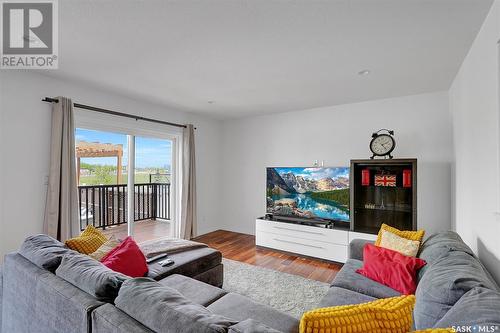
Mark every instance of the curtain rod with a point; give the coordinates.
(115, 113)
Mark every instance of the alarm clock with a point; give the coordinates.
(382, 144)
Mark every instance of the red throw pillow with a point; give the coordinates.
(127, 258)
(391, 268)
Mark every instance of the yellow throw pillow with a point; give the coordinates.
(88, 241)
(402, 245)
(411, 235)
(386, 315)
(105, 248)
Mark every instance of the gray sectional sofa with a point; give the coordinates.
(46, 287)
(454, 288)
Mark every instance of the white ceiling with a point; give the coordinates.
(263, 56)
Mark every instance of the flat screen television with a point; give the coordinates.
(309, 193)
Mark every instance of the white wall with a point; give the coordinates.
(24, 149)
(337, 134)
(474, 104)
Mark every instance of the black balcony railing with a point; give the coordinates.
(106, 205)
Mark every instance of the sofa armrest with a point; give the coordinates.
(109, 319)
(356, 248)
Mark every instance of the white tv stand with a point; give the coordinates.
(324, 243)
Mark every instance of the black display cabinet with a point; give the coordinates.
(383, 191)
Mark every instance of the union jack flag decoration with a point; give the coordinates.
(385, 180)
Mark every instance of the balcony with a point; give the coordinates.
(105, 207)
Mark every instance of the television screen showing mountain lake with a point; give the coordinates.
(309, 192)
(319, 208)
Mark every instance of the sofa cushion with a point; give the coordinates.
(479, 306)
(444, 283)
(188, 263)
(43, 251)
(90, 276)
(438, 245)
(340, 296)
(347, 278)
(251, 326)
(194, 290)
(241, 308)
(163, 309)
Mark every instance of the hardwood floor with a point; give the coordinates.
(241, 247)
(143, 230)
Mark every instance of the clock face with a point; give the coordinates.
(382, 145)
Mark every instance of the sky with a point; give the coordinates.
(149, 152)
(316, 173)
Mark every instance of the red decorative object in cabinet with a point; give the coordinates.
(385, 180)
(407, 178)
(365, 177)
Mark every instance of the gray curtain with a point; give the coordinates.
(61, 208)
(188, 200)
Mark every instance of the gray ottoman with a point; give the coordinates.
(203, 264)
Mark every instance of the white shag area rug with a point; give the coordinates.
(285, 292)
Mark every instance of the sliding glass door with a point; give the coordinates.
(107, 188)
(102, 188)
(153, 175)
